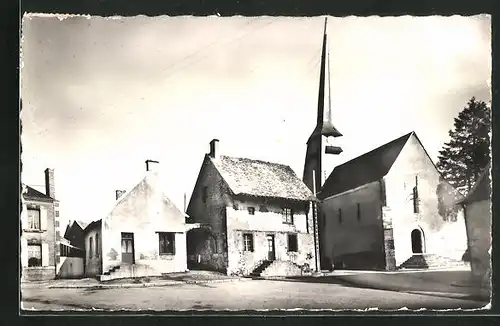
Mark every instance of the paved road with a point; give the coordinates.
(251, 295)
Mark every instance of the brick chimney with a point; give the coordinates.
(50, 189)
(214, 149)
(119, 193)
(152, 166)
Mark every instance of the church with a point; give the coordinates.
(384, 210)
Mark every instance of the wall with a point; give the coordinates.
(441, 237)
(354, 243)
(71, 267)
(93, 264)
(267, 220)
(145, 211)
(212, 212)
(479, 218)
(45, 237)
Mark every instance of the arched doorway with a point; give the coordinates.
(416, 241)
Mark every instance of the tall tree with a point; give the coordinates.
(464, 157)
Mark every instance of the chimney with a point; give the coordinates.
(119, 193)
(152, 166)
(50, 189)
(214, 149)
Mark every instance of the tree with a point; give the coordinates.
(464, 157)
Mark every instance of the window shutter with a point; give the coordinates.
(45, 254)
(24, 252)
(43, 218)
(24, 218)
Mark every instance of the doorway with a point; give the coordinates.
(271, 253)
(416, 241)
(128, 248)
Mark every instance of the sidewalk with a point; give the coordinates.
(191, 277)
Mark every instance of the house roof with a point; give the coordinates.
(261, 179)
(82, 224)
(92, 224)
(482, 188)
(31, 193)
(363, 169)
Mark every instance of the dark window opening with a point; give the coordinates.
(91, 247)
(415, 197)
(167, 243)
(34, 255)
(292, 243)
(248, 242)
(287, 214)
(97, 245)
(205, 194)
(359, 211)
(340, 215)
(251, 210)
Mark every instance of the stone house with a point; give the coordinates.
(39, 245)
(383, 210)
(143, 235)
(253, 217)
(478, 218)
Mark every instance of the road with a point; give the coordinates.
(248, 295)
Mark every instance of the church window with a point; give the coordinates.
(205, 194)
(359, 211)
(415, 197)
(340, 215)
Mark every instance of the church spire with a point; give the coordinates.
(318, 144)
(324, 124)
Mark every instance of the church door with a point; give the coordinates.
(416, 241)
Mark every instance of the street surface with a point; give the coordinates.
(247, 295)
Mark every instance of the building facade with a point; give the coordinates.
(478, 217)
(143, 235)
(385, 210)
(39, 217)
(253, 217)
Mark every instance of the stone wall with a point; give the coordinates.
(441, 237)
(71, 267)
(479, 218)
(93, 259)
(354, 240)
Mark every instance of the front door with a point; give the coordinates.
(270, 248)
(127, 248)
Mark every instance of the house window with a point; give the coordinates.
(359, 211)
(97, 245)
(287, 215)
(292, 243)
(167, 243)
(247, 242)
(91, 247)
(340, 215)
(34, 218)
(57, 213)
(34, 255)
(251, 210)
(205, 194)
(56, 224)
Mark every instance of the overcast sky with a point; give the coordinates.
(100, 96)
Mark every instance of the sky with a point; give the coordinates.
(102, 95)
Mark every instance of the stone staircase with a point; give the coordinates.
(277, 268)
(431, 261)
(126, 271)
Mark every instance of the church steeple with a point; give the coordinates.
(318, 144)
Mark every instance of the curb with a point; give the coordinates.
(453, 295)
(143, 285)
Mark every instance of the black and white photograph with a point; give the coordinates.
(267, 163)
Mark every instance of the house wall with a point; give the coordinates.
(267, 220)
(144, 211)
(209, 252)
(71, 267)
(44, 237)
(353, 243)
(93, 259)
(479, 218)
(447, 239)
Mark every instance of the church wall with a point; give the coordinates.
(353, 242)
(444, 238)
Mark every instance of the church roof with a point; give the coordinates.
(363, 169)
(31, 193)
(482, 188)
(261, 179)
